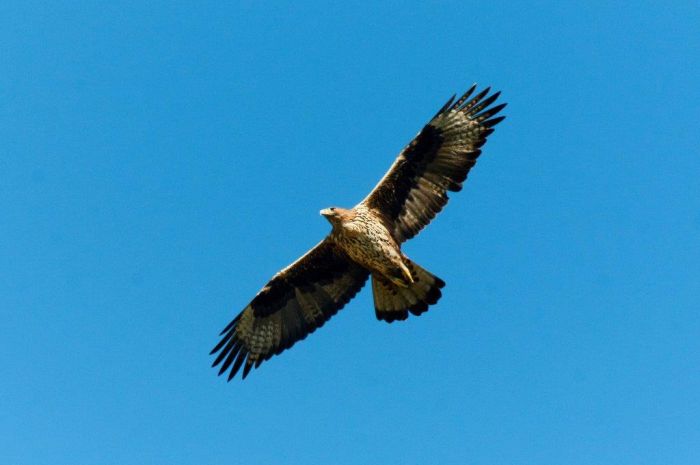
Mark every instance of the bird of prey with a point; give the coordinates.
(366, 241)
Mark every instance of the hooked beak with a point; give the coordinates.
(326, 212)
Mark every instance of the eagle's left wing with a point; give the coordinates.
(437, 160)
(295, 302)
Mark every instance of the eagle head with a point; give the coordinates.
(336, 215)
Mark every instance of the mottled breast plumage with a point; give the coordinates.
(367, 241)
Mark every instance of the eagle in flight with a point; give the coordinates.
(366, 240)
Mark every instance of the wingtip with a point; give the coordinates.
(230, 325)
(246, 369)
(445, 106)
(493, 122)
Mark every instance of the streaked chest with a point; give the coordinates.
(367, 242)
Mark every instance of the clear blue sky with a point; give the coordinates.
(158, 163)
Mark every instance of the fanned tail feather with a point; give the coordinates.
(393, 302)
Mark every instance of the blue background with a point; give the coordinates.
(159, 162)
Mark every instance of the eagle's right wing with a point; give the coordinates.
(437, 160)
(295, 302)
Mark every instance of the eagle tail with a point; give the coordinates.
(393, 302)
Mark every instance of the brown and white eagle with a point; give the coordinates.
(366, 240)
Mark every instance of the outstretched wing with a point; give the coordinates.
(437, 160)
(295, 302)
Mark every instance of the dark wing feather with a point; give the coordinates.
(437, 160)
(295, 302)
